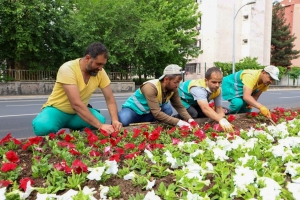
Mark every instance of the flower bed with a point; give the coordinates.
(156, 162)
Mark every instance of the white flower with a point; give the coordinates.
(95, 173)
(249, 144)
(150, 155)
(196, 153)
(224, 144)
(279, 130)
(68, 195)
(289, 141)
(238, 141)
(243, 177)
(294, 189)
(2, 193)
(129, 176)
(271, 190)
(44, 196)
(103, 192)
(171, 160)
(28, 191)
(245, 159)
(112, 167)
(220, 154)
(191, 196)
(209, 166)
(151, 196)
(150, 184)
(210, 143)
(291, 168)
(90, 192)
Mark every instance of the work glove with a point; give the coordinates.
(227, 127)
(265, 111)
(183, 123)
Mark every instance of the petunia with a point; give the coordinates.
(151, 196)
(294, 188)
(150, 155)
(271, 190)
(129, 176)
(171, 160)
(6, 138)
(220, 154)
(68, 195)
(94, 153)
(150, 184)
(8, 167)
(129, 146)
(79, 166)
(95, 173)
(5, 183)
(74, 152)
(243, 177)
(24, 183)
(45, 196)
(90, 192)
(103, 192)
(196, 153)
(136, 132)
(2, 193)
(115, 157)
(112, 167)
(12, 156)
(292, 168)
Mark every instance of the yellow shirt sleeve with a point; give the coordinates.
(250, 79)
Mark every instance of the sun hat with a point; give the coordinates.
(172, 69)
(273, 71)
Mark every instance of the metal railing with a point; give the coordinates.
(29, 75)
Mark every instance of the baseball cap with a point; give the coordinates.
(273, 71)
(172, 70)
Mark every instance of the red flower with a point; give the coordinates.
(194, 124)
(35, 140)
(154, 135)
(51, 136)
(254, 114)
(92, 138)
(62, 131)
(206, 126)
(142, 146)
(69, 138)
(103, 141)
(8, 167)
(115, 157)
(74, 152)
(16, 141)
(66, 144)
(200, 134)
(119, 150)
(5, 139)
(5, 183)
(217, 127)
(94, 153)
(214, 135)
(113, 142)
(79, 167)
(129, 146)
(103, 132)
(131, 155)
(23, 183)
(212, 104)
(88, 131)
(171, 130)
(12, 156)
(136, 132)
(231, 118)
(125, 132)
(114, 134)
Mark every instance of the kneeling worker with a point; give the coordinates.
(151, 101)
(196, 94)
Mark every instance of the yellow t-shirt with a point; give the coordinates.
(250, 78)
(70, 73)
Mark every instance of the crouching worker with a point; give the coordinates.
(243, 88)
(196, 94)
(151, 101)
(75, 82)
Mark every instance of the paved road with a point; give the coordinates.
(16, 113)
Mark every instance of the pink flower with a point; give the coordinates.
(175, 141)
(12, 156)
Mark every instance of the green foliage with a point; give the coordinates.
(114, 191)
(282, 47)
(294, 73)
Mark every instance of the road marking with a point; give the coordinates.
(288, 97)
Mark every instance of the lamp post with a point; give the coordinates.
(233, 32)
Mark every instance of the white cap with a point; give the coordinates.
(172, 70)
(273, 71)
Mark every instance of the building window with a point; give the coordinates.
(190, 68)
(199, 43)
(245, 17)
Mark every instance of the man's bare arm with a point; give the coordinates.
(250, 100)
(208, 111)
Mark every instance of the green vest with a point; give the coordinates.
(187, 98)
(138, 102)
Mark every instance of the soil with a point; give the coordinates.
(126, 187)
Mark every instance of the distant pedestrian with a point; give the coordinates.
(243, 88)
(67, 106)
(196, 94)
(151, 101)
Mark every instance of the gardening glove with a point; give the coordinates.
(183, 123)
(249, 107)
(265, 111)
(227, 127)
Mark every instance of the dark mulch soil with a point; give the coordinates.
(126, 187)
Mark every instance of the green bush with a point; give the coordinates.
(137, 82)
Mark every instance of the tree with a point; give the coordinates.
(282, 51)
(294, 73)
(33, 35)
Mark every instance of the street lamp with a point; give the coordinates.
(233, 32)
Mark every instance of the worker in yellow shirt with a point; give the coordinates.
(75, 82)
(243, 88)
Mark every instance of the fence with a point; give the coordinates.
(29, 75)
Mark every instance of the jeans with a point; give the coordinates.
(50, 120)
(128, 116)
(195, 112)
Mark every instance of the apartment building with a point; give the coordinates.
(252, 33)
(292, 15)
